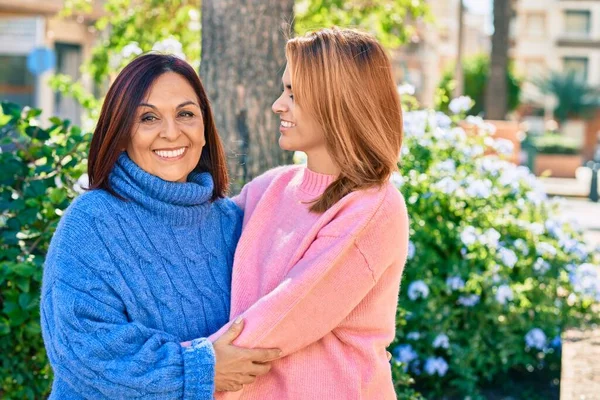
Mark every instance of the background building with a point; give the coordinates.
(26, 25)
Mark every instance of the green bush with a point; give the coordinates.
(38, 179)
(552, 143)
(495, 273)
(476, 70)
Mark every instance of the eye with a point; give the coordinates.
(149, 118)
(186, 114)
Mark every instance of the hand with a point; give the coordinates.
(237, 366)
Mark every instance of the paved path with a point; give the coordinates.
(580, 370)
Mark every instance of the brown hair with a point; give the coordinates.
(343, 77)
(116, 122)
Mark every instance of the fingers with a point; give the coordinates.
(262, 355)
(258, 369)
(233, 332)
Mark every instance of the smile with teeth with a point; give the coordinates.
(287, 124)
(170, 153)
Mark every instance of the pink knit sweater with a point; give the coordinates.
(321, 287)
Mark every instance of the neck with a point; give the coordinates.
(321, 162)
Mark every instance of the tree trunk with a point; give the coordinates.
(496, 100)
(243, 58)
(459, 75)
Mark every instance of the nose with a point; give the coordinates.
(279, 106)
(170, 131)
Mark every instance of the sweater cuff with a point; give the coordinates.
(199, 370)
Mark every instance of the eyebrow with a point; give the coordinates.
(187, 103)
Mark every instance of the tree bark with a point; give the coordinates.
(459, 71)
(496, 100)
(243, 58)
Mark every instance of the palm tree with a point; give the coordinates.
(575, 98)
(496, 95)
(458, 73)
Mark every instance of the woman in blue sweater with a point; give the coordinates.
(142, 262)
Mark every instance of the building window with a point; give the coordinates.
(68, 61)
(577, 23)
(577, 65)
(17, 84)
(535, 25)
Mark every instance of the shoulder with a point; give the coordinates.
(382, 206)
(77, 227)
(228, 209)
(376, 220)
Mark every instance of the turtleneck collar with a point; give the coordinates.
(178, 203)
(315, 183)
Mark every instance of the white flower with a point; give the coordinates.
(536, 338)
(508, 257)
(480, 188)
(57, 181)
(405, 354)
(442, 120)
(415, 123)
(504, 147)
(131, 50)
(436, 365)
(554, 228)
(545, 250)
(541, 266)
(411, 250)
(586, 280)
(491, 237)
(468, 236)
(82, 184)
(536, 228)
(300, 157)
(460, 104)
(397, 179)
(455, 283)
(406, 88)
(413, 336)
(503, 294)
(468, 301)
(473, 151)
(170, 46)
(446, 166)
(441, 341)
(447, 185)
(418, 289)
(521, 245)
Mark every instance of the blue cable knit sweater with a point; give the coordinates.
(126, 281)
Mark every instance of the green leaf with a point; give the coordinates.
(27, 301)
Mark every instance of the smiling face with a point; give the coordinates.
(300, 131)
(168, 135)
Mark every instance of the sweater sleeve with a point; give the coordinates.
(326, 284)
(91, 343)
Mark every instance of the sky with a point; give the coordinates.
(482, 7)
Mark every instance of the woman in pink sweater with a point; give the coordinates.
(317, 270)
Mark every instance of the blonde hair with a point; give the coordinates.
(343, 78)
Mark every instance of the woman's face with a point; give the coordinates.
(168, 135)
(299, 130)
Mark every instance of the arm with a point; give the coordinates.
(326, 284)
(92, 345)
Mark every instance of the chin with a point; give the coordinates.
(284, 144)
